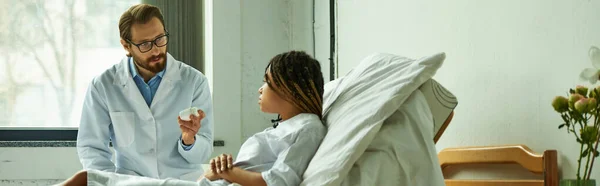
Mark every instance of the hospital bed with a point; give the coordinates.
(383, 119)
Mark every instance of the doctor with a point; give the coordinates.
(135, 105)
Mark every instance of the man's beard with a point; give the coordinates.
(156, 67)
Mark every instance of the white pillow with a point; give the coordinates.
(356, 106)
(440, 100)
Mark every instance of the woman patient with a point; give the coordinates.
(279, 155)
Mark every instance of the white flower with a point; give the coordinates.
(592, 74)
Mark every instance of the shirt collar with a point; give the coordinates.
(297, 121)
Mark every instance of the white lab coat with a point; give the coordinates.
(146, 139)
(280, 154)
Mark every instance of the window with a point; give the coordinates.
(50, 51)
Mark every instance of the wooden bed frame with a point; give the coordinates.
(544, 164)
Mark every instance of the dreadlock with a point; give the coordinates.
(299, 80)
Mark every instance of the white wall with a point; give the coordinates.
(506, 60)
(245, 37)
(268, 28)
(226, 73)
(322, 36)
(37, 166)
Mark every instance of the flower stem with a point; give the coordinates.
(580, 149)
(587, 164)
(579, 162)
(594, 155)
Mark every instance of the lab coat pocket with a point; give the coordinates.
(123, 124)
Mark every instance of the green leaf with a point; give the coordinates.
(597, 154)
(585, 153)
(578, 141)
(561, 125)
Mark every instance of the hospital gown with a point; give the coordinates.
(280, 154)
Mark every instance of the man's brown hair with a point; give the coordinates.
(141, 14)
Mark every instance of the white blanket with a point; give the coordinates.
(101, 178)
(403, 152)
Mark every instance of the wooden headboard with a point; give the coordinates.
(544, 164)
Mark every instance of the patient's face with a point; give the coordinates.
(268, 100)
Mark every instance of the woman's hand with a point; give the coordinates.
(221, 164)
(211, 175)
(218, 165)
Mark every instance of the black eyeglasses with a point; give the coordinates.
(147, 46)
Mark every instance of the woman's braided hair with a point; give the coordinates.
(299, 80)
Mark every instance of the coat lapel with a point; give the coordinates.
(169, 81)
(130, 90)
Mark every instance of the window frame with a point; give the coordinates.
(12, 134)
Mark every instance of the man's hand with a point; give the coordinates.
(190, 128)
